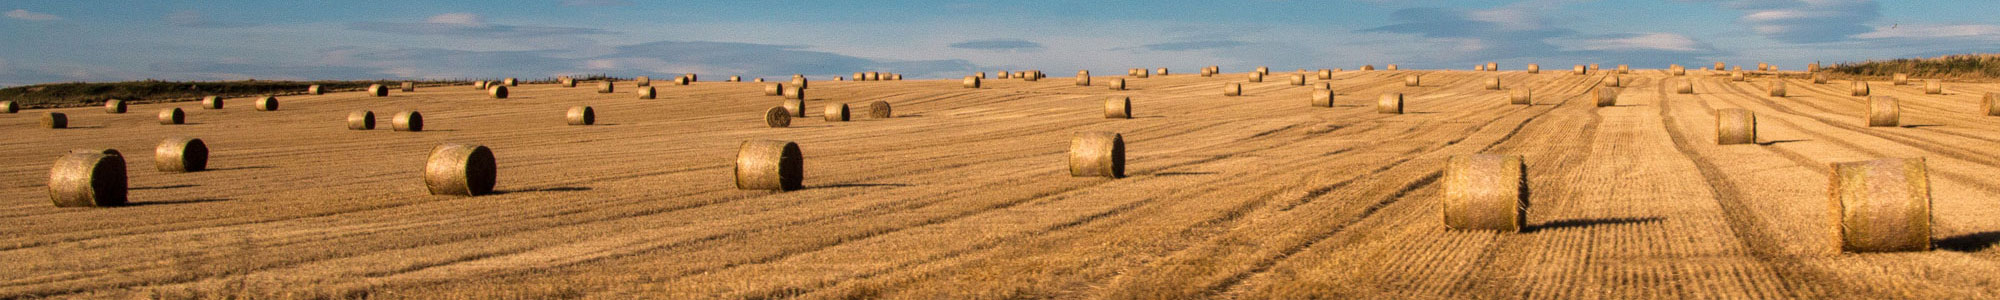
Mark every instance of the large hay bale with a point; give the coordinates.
(1299, 79)
(1819, 78)
(1534, 68)
(1777, 88)
(1735, 126)
(1325, 74)
(1117, 84)
(1860, 88)
(1485, 192)
(648, 92)
(173, 116)
(1492, 66)
(1992, 104)
(880, 110)
(1232, 89)
(769, 165)
(1392, 67)
(9, 107)
(377, 90)
(1493, 83)
(795, 92)
(778, 117)
(460, 170)
(1322, 98)
(361, 120)
(510, 81)
(1256, 77)
(1521, 96)
(407, 121)
(211, 102)
(581, 116)
(1605, 96)
(1389, 103)
(1901, 79)
(1578, 70)
(643, 81)
(1624, 69)
(971, 82)
(605, 87)
(114, 106)
(409, 86)
(1097, 154)
(1933, 87)
(497, 92)
(1736, 76)
(1881, 205)
(55, 120)
(1411, 80)
(315, 90)
(796, 107)
(181, 154)
(836, 112)
(267, 103)
(1884, 111)
(1684, 87)
(88, 179)
(774, 89)
(1083, 78)
(1367, 67)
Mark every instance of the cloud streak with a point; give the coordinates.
(25, 15)
(998, 44)
(472, 25)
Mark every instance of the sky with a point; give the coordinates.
(43, 41)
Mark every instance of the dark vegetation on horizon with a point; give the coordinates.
(1963, 66)
(82, 94)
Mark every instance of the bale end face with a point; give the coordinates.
(361, 120)
(778, 117)
(1735, 126)
(1485, 192)
(181, 155)
(1118, 108)
(1880, 205)
(582, 115)
(1097, 154)
(836, 112)
(770, 165)
(1883, 111)
(461, 170)
(1389, 103)
(880, 110)
(408, 121)
(88, 179)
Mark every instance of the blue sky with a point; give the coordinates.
(63, 41)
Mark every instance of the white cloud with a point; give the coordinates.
(460, 19)
(1935, 31)
(1648, 41)
(23, 14)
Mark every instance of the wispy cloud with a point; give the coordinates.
(1194, 45)
(23, 14)
(473, 25)
(1806, 21)
(195, 19)
(998, 45)
(595, 3)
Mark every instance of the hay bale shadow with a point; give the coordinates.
(551, 189)
(1775, 142)
(849, 185)
(165, 187)
(189, 201)
(1589, 222)
(1970, 242)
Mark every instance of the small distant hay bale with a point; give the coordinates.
(1322, 98)
(795, 92)
(1735, 126)
(407, 121)
(1736, 68)
(1031, 76)
(9, 107)
(1412, 80)
(1492, 66)
(510, 81)
(769, 165)
(1719, 66)
(1117, 84)
(1493, 83)
(605, 87)
(266, 103)
(1299, 79)
(799, 81)
(315, 90)
(1521, 96)
(1860, 88)
(1368, 67)
(55, 120)
(497, 92)
(1207, 72)
(1900, 79)
(1777, 88)
(1392, 67)
(1992, 104)
(1884, 111)
(1389, 103)
(982, 75)
(778, 117)
(760, 79)
(1579, 70)
(860, 76)
(692, 77)
(643, 81)
(114, 106)
(211, 102)
(648, 93)
(1485, 192)
(1624, 69)
(582, 116)
(1614, 81)
(88, 179)
(774, 89)
(1605, 96)
(1118, 108)
(1819, 78)
(1232, 89)
(796, 107)
(1325, 74)
(681, 81)
(181, 154)
(361, 120)
(378, 90)
(1736, 76)
(1534, 68)
(173, 116)
(1684, 87)
(1097, 154)
(836, 112)
(409, 86)
(1677, 70)
(1593, 67)
(735, 78)
(1479, 67)
(1881, 205)
(1003, 74)
(1763, 66)
(1256, 77)
(880, 110)
(1262, 70)
(1933, 87)
(567, 82)
(1162, 71)
(1083, 78)
(1141, 73)
(481, 85)
(460, 170)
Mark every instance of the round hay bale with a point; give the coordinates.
(55, 120)
(1097, 154)
(1325, 74)
(760, 79)
(1411, 80)
(643, 81)
(315, 90)
(1299, 79)
(1883, 111)
(797, 108)
(1605, 96)
(377, 90)
(860, 76)
(1534, 68)
(1392, 67)
(795, 92)
(88, 179)
(361, 120)
(1118, 108)
(971, 82)
(774, 89)
(1368, 67)
(1593, 67)
(1684, 87)
(409, 86)
(1322, 98)
(1232, 89)
(1933, 87)
(407, 121)
(1860, 88)
(1323, 86)
(880, 110)
(1205, 72)
(1478, 67)
(1718, 66)
(582, 115)
(1256, 77)
(1736, 76)
(1262, 70)
(1493, 83)
(566, 82)
(481, 85)
(1389, 103)
(1492, 66)
(1677, 70)
(735, 78)
(510, 81)
(681, 80)
(1735, 126)
(1485, 192)
(114, 106)
(1777, 88)
(1579, 70)
(648, 92)
(769, 165)
(778, 117)
(497, 92)
(1763, 66)
(211, 102)
(1992, 104)
(1083, 78)
(1521, 96)
(692, 77)
(1117, 84)
(1736, 68)
(836, 112)
(1814, 67)
(1881, 205)
(173, 116)
(604, 87)
(267, 103)
(1624, 69)
(1819, 78)
(1162, 71)
(178, 155)
(799, 81)
(1614, 81)
(9, 107)
(1901, 79)
(1004, 74)
(460, 170)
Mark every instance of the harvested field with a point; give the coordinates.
(966, 194)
